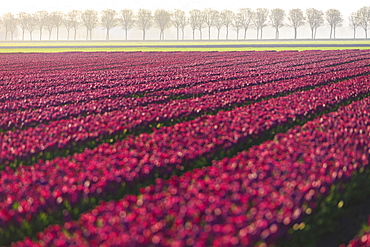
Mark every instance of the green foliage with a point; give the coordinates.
(338, 217)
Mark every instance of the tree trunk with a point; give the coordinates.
(90, 34)
(193, 33)
(209, 32)
(107, 37)
(40, 33)
(183, 34)
(218, 34)
(277, 33)
(22, 34)
(87, 34)
(200, 33)
(261, 31)
(31, 35)
(258, 32)
(245, 33)
(57, 33)
(227, 32)
(295, 33)
(177, 33)
(49, 35)
(143, 34)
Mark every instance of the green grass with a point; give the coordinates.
(91, 46)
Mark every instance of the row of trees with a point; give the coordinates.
(144, 19)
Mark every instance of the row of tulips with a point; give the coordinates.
(253, 197)
(33, 117)
(23, 90)
(284, 74)
(64, 136)
(66, 186)
(62, 99)
(114, 90)
(130, 65)
(85, 62)
(100, 79)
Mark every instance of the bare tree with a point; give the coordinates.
(22, 21)
(277, 17)
(354, 22)
(259, 19)
(209, 19)
(49, 24)
(193, 22)
(218, 23)
(68, 25)
(334, 18)
(57, 18)
(183, 24)
(315, 18)
(296, 19)
(144, 20)
(31, 24)
(238, 24)
(163, 20)
(10, 23)
(90, 20)
(72, 20)
(127, 20)
(246, 16)
(178, 19)
(197, 21)
(41, 18)
(364, 18)
(108, 20)
(227, 17)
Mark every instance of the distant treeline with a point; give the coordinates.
(198, 20)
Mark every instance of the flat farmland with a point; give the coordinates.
(188, 45)
(190, 148)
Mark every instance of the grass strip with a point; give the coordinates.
(337, 218)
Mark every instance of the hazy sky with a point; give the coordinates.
(30, 6)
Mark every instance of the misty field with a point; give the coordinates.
(194, 45)
(237, 148)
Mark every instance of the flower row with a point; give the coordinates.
(67, 83)
(104, 84)
(253, 197)
(78, 180)
(72, 83)
(299, 73)
(48, 139)
(33, 117)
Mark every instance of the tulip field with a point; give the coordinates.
(237, 148)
